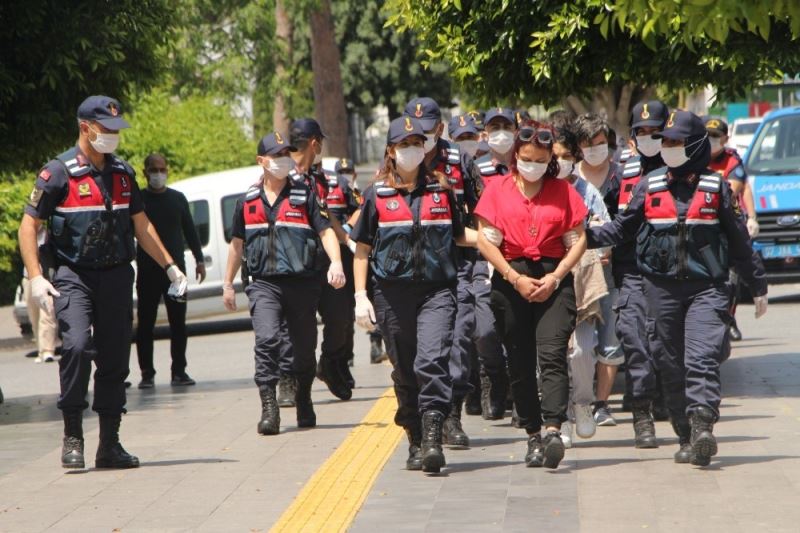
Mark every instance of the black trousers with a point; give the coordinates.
(336, 308)
(536, 331)
(152, 284)
(95, 314)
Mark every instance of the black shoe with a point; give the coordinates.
(147, 383)
(72, 450)
(534, 458)
(376, 353)
(306, 417)
(128, 384)
(329, 374)
(432, 453)
(472, 404)
(452, 433)
(287, 390)
(683, 430)
(347, 376)
(182, 380)
(704, 445)
(270, 423)
(110, 453)
(553, 449)
(643, 427)
(414, 461)
(735, 334)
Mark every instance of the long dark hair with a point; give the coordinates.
(552, 166)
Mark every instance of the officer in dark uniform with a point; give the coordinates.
(276, 227)
(334, 306)
(93, 208)
(477, 118)
(447, 158)
(687, 233)
(410, 222)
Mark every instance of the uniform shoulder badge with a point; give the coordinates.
(35, 197)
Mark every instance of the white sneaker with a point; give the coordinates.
(585, 425)
(566, 434)
(38, 359)
(48, 357)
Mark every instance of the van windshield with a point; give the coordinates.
(776, 150)
(746, 128)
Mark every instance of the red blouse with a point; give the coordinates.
(532, 227)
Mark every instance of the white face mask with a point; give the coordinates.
(531, 171)
(430, 142)
(501, 141)
(716, 144)
(647, 146)
(157, 180)
(105, 143)
(280, 166)
(565, 167)
(317, 158)
(469, 147)
(675, 156)
(409, 158)
(596, 155)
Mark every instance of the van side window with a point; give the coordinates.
(228, 206)
(199, 211)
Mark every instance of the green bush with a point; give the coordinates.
(14, 191)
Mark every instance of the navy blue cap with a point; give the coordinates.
(273, 144)
(499, 112)
(402, 128)
(343, 164)
(426, 110)
(521, 115)
(477, 118)
(681, 125)
(461, 124)
(716, 126)
(305, 128)
(652, 113)
(105, 110)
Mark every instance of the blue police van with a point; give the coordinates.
(773, 167)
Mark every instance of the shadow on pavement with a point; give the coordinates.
(721, 462)
(666, 440)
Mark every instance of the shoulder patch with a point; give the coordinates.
(35, 197)
(45, 174)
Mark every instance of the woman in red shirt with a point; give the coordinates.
(525, 218)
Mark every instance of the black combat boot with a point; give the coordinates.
(704, 445)
(72, 451)
(329, 374)
(734, 332)
(659, 409)
(287, 390)
(452, 433)
(472, 403)
(110, 453)
(270, 423)
(306, 417)
(643, 427)
(414, 461)
(684, 432)
(376, 353)
(432, 454)
(344, 369)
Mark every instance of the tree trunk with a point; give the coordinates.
(283, 35)
(613, 102)
(328, 92)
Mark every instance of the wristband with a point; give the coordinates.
(347, 228)
(514, 283)
(169, 265)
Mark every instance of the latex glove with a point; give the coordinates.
(761, 305)
(336, 277)
(365, 314)
(570, 238)
(177, 288)
(228, 296)
(351, 245)
(753, 227)
(493, 235)
(43, 292)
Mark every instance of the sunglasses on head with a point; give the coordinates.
(541, 136)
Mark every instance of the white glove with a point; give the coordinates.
(570, 238)
(351, 245)
(493, 235)
(761, 305)
(43, 292)
(336, 277)
(753, 227)
(228, 296)
(365, 314)
(177, 289)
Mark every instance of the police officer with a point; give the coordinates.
(447, 159)
(275, 227)
(687, 233)
(477, 118)
(93, 208)
(409, 225)
(334, 306)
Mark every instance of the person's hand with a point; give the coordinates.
(525, 286)
(595, 221)
(200, 272)
(365, 314)
(547, 286)
(177, 288)
(228, 296)
(336, 277)
(752, 227)
(42, 292)
(761, 305)
(605, 258)
(493, 235)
